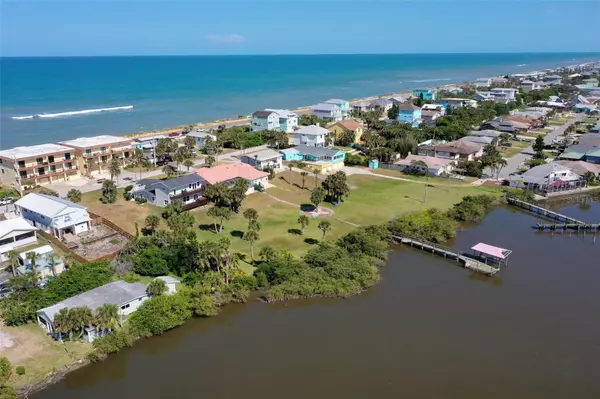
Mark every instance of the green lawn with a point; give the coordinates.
(590, 120)
(517, 147)
(377, 200)
(430, 179)
(558, 121)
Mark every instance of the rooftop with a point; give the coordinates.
(171, 184)
(456, 147)
(431, 162)
(335, 101)
(348, 124)
(43, 250)
(408, 107)
(33, 151)
(198, 133)
(262, 114)
(117, 293)
(87, 142)
(325, 107)
(496, 252)
(312, 130)
(222, 173)
(46, 205)
(316, 151)
(14, 225)
(283, 113)
(263, 155)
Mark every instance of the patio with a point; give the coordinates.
(101, 241)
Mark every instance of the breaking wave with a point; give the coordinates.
(521, 65)
(71, 113)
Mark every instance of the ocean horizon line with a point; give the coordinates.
(291, 54)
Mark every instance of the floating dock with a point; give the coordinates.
(586, 227)
(465, 261)
(544, 212)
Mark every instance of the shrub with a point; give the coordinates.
(20, 370)
(131, 278)
(127, 196)
(352, 160)
(161, 313)
(113, 341)
(141, 200)
(150, 262)
(5, 370)
(128, 188)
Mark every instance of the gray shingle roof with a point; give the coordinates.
(171, 184)
(262, 114)
(117, 293)
(316, 151)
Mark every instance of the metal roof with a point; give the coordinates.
(15, 226)
(117, 293)
(46, 205)
(171, 184)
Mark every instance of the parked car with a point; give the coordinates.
(174, 134)
(7, 201)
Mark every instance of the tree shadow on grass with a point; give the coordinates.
(296, 232)
(311, 241)
(237, 233)
(208, 227)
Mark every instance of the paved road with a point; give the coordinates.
(516, 161)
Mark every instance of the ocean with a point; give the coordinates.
(51, 99)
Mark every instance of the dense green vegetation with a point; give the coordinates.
(28, 298)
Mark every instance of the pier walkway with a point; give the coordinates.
(465, 261)
(564, 222)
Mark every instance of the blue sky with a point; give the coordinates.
(158, 27)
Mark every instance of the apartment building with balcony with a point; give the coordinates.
(94, 153)
(41, 164)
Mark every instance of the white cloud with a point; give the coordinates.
(229, 38)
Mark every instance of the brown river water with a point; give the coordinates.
(429, 329)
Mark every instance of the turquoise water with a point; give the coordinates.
(159, 92)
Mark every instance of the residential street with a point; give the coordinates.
(516, 161)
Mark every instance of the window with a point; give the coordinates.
(39, 161)
(88, 152)
(102, 149)
(52, 169)
(166, 202)
(69, 165)
(51, 158)
(67, 155)
(21, 164)
(186, 198)
(125, 306)
(41, 171)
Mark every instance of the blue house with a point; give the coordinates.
(323, 159)
(425, 94)
(409, 113)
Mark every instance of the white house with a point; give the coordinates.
(458, 102)
(529, 85)
(288, 120)
(483, 82)
(312, 135)
(504, 93)
(171, 283)
(15, 233)
(435, 166)
(328, 112)
(187, 189)
(53, 215)
(201, 136)
(263, 158)
(127, 296)
(544, 177)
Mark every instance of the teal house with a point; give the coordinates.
(425, 94)
(343, 104)
(409, 113)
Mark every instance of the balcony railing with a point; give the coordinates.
(188, 192)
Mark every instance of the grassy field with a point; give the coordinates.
(377, 200)
(558, 121)
(590, 120)
(423, 179)
(372, 200)
(28, 346)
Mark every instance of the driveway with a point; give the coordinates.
(516, 161)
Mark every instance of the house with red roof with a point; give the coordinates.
(229, 173)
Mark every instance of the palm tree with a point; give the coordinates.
(168, 170)
(324, 226)
(303, 174)
(303, 220)
(74, 195)
(156, 287)
(32, 257)
(107, 317)
(210, 160)
(422, 166)
(267, 253)
(14, 261)
(290, 167)
(63, 323)
(82, 316)
(53, 260)
(139, 160)
(316, 173)
(152, 222)
(114, 168)
(251, 236)
(188, 163)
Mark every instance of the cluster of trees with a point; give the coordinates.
(491, 159)
(239, 137)
(28, 298)
(539, 157)
(437, 226)
(226, 200)
(339, 269)
(310, 119)
(335, 186)
(70, 320)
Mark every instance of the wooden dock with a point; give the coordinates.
(436, 249)
(586, 227)
(538, 210)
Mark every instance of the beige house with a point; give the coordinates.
(37, 165)
(94, 153)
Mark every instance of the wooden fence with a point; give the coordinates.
(97, 219)
(62, 246)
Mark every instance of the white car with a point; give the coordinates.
(6, 201)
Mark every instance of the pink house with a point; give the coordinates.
(229, 173)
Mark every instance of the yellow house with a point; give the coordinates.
(348, 125)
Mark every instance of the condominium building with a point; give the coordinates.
(94, 153)
(41, 164)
